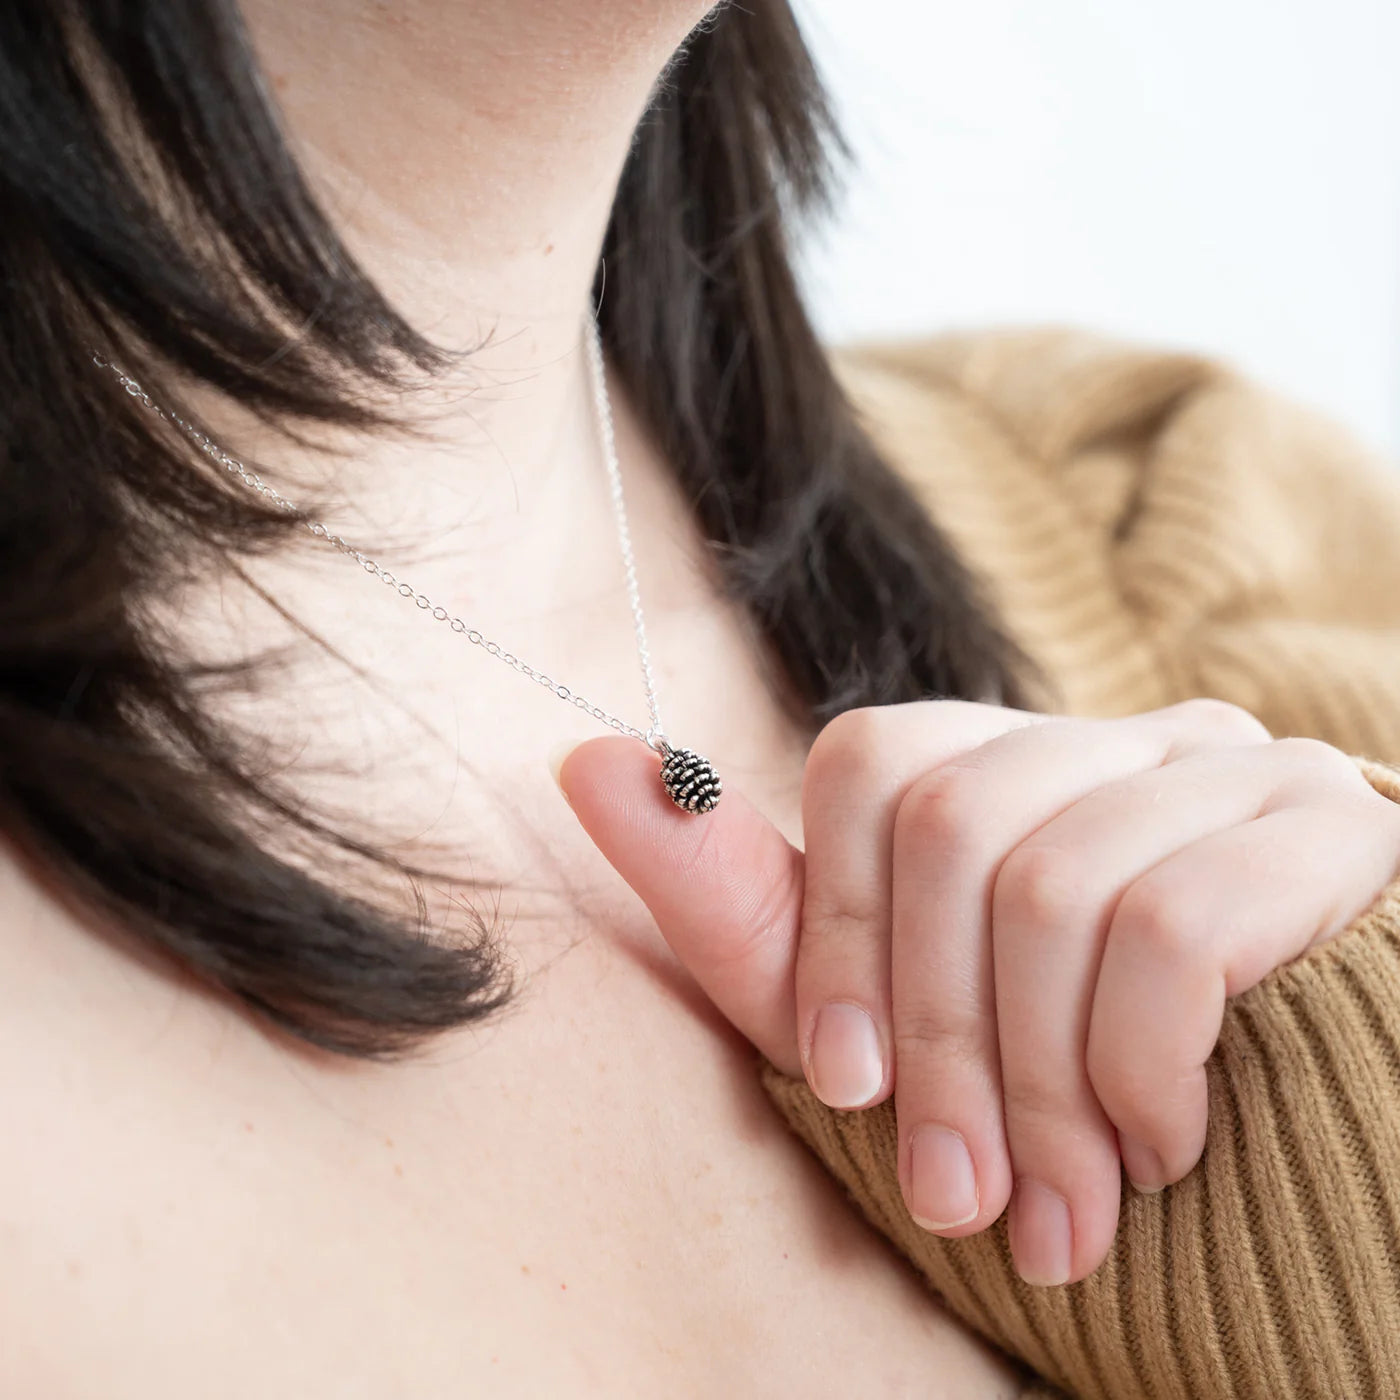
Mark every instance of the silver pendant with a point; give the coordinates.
(690, 780)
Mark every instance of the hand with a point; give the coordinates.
(1024, 926)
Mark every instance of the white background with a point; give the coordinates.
(1221, 175)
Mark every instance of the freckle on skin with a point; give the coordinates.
(398, 1169)
(524, 1268)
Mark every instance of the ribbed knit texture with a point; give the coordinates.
(1154, 527)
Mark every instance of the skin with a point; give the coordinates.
(589, 1196)
(1037, 920)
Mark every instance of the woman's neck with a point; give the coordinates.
(470, 149)
(469, 153)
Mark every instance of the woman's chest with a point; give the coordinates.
(591, 1197)
(588, 1195)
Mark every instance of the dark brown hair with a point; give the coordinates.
(191, 263)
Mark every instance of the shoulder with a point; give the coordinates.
(1053, 388)
(1059, 417)
(1119, 426)
(78, 1002)
(60, 1154)
(114, 1102)
(82, 1002)
(1060, 388)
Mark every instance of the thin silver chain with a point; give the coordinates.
(654, 738)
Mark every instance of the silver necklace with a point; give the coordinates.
(690, 780)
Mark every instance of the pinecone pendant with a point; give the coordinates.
(691, 781)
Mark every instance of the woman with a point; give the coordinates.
(268, 827)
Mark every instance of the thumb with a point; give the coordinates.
(725, 888)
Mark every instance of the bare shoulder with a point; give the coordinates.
(94, 1044)
(69, 980)
(49, 968)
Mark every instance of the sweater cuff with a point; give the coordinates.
(1272, 1271)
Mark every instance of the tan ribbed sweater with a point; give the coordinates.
(1154, 527)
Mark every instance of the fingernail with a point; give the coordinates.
(1144, 1167)
(847, 1066)
(942, 1180)
(1042, 1236)
(556, 762)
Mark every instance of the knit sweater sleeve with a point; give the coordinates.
(1258, 548)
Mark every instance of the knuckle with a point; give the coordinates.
(927, 1032)
(1125, 1086)
(1210, 712)
(842, 750)
(938, 810)
(1035, 1095)
(1161, 921)
(1040, 886)
(829, 925)
(1313, 756)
